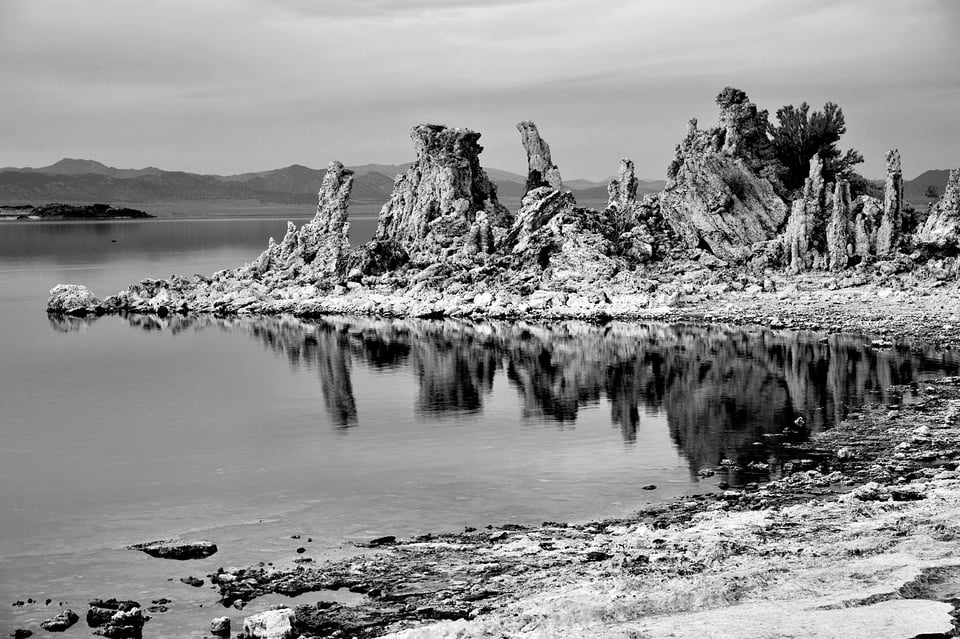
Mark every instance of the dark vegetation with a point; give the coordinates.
(802, 134)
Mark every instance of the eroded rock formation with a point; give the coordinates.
(942, 227)
(622, 190)
(541, 171)
(445, 245)
(888, 235)
(804, 239)
(867, 212)
(320, 247)
(838, 231)
(435, 204)
(715, 197)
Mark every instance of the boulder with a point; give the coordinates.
(942, 227)
(72, 299)
(272, 624)
(61, 622)
(220, 627)
(177, 549)
(436, 202)
(721, 194)
(116, 619)
(541, 171)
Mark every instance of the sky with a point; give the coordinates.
(229, 86)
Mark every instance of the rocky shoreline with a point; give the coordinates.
(858, 540)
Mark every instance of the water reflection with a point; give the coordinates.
(721, 389)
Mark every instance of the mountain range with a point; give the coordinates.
(75, 180)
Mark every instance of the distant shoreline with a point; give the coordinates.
(57, 211)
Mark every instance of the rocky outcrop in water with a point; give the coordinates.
(178, 549)
(79, 212)
(319, 248)
(445, 246)
(942, 227)
(116, 619)
(716, 196)
(61, 622)
(72, 299)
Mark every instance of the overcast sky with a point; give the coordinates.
(226, 86)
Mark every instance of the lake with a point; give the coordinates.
(247, 431)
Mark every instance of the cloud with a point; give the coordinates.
(189, 85)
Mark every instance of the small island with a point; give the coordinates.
(71, 212)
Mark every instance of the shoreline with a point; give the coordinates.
(858, 542)
(698, 566)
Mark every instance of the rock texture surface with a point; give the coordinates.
(445, 246)
(272, 624)
(838, 231)
(888, 235)
(804, 239)
(116, 619)
(435, 203)
(178, 549)
(63, 621)
(714, 197)
(72, 299)
(942, 227)
(320, 247)
(541, 171)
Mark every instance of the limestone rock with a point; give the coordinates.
(569, 245)
(714, 197)
(272, 624)
(177, 549)
(888, 236)
(744, 129)
(220, 626)
(942, 227)
(72, 299)
(640, 230)
(541, 171)
(116, 619)
(867, 212)
(622, 190)
(436, 202)
(804, 239)
(61, 622)
(838, 229)
(320, 247)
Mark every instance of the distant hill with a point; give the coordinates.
(78, 180)
(918, 186)
(72, 166)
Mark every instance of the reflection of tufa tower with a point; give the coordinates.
(453, 376)
(723, 389)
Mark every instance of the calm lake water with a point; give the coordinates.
(247, 431)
